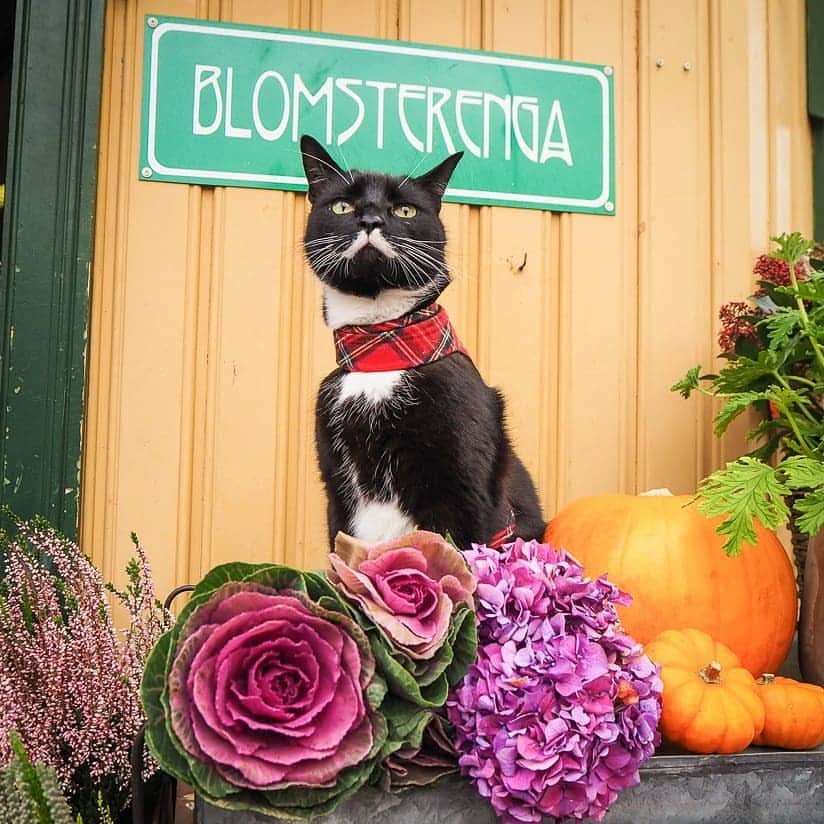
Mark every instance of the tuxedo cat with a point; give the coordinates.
(408, 434)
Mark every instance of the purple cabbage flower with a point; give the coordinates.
(561, 706)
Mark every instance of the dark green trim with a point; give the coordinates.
(815, 105)
(818, 176)
(46, 255)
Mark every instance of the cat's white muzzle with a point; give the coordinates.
(373, 238)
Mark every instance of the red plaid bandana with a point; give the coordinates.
(418, 338)
(505, 535)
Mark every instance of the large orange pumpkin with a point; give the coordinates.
(670, 559)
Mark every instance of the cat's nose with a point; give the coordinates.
(368, 222)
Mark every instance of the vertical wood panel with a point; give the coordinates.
(207, 343)
(515, 274)
(790, 146)
(597, 385)
(674, 285)
(458, 23)
(738, 126)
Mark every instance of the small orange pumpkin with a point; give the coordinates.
(710, 702)
(794, 713)
(669, 558)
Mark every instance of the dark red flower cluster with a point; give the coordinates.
(736, 322)
(777, 271)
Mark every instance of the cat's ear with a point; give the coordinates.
(317, 165)
(437, 179)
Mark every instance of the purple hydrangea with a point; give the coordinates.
(561, 706)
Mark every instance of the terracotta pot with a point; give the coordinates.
(811, 617)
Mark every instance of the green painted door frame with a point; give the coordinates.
(46, 254)
(815, 105)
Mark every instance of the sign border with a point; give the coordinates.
(158, 25)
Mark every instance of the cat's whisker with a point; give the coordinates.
(329, 166)
(416, 273)
(324, 241)
(414, 169)
(346, 165)
(423, 257)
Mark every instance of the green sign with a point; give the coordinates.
(225, 105)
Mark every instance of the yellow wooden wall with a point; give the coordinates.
(206, 342)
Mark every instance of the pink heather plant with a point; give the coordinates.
(69, 680)
(561, 706)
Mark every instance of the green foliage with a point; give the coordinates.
(775, 365)
(745, 489)
(689, 383)
(30, 793)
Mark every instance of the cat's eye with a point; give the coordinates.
(342, 207)
(404, 210)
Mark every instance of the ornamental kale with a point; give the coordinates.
(413, 597)
(774, 348)
(561, 706)
(279, 692)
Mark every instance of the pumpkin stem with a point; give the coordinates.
(711, 674)
(766, 678)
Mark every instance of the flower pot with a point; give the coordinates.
(811, 617)
(722, 789)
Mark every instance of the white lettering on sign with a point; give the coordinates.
(381, 86)
(530, 106)
(263, 131)
(325, 91)
(409, 92)
(212, 75)
(343, 83)
(232, 131)
(560, 146)
(469, 99)
(482, 123)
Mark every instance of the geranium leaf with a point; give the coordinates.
(687, 384)
(744, 490)
(746, 374)
(792, 247)
(811, 509)
(733, 407)
(803, 473)
(780, 325)
(812, 289)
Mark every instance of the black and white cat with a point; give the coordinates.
(408, 434)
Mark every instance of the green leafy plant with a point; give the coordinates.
(30, 793)
(774, 348)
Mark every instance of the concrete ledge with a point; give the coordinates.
(757, 786)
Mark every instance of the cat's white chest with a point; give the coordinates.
(367, 395)
(373, 388)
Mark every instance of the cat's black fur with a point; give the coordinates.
(439, 445)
